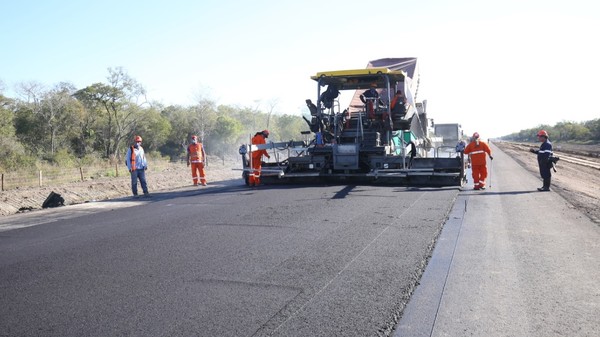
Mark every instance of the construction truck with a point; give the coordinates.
(367, 142)
(449, 135)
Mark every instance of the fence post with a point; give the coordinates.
(2, 181)
(40, 178)
(81, 173)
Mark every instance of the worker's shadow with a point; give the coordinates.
(220, 187)
(489, 192)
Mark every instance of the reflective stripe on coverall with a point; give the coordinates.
(254, 177)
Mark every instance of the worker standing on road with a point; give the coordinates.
(196, 157)
(259, 138)
(543, 156)
(476, 150)
(135, 159)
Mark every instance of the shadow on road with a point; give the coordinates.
(488, 192)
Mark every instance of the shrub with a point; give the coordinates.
(63, 158)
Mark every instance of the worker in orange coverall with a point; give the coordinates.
(477, 149)
(197, 158)
(259, 138)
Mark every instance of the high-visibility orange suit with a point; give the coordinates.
(259, 138)
(477, 150)
(196, 158)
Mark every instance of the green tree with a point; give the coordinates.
(594, 127)
(85, 126)
(252, 119)
(567, 130)
(28, 129)
(119, 100)
(154, 128)
(203, 118)
(288, 127)
(198, 120)
(99, 99)
(12, 153)
(227, 131)
(7, 127)
(27, 126)
(179, 118)
(58, 114)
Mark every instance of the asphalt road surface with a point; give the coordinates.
(223, 261)
(511, 261)
(307, 261)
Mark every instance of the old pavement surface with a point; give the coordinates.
(511, 261)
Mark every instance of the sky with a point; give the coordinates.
(496, 67)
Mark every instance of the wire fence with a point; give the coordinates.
(55, 175)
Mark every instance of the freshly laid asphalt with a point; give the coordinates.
(305, 261)
(511, 261)
(334, 260)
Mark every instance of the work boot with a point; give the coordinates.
(546, 186)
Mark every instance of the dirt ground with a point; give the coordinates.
(578, 185)
(177, 175)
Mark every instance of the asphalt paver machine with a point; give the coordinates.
(367, 142)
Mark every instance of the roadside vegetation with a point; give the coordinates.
(71, 127)
(584, 133)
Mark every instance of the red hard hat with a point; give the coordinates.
(138, 138)
(542, 133)
(265, 132)
(476, 135)
(195, 137)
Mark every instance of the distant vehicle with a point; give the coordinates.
(368, 141)
(448, 136)
(450, 133)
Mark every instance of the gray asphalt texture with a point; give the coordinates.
(511, 261)
(221, 261)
